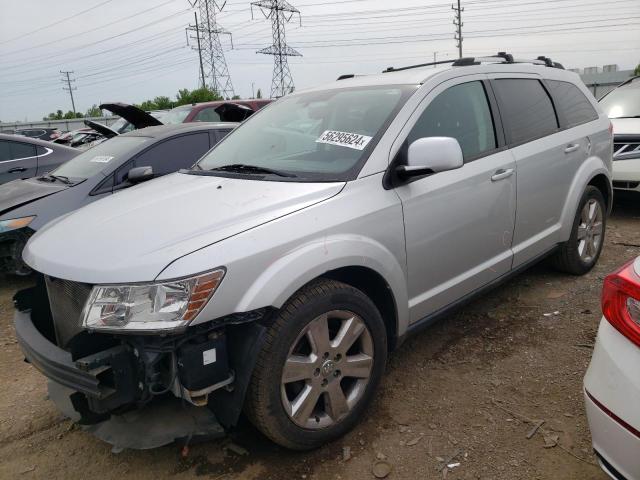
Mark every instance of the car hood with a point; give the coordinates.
(21, 192)
(134, 115)
(101, 129)
(626, 126)
(134, 235)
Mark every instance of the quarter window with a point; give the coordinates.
(572, 102)
(461, 112)
(527, 111)
(5, 153)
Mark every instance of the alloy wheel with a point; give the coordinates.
(327, 369)
(590, 230)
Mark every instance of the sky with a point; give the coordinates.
(131, 51)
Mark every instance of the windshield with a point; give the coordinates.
(93, 161)
(321, 136)
(176, 115)
(623, 102)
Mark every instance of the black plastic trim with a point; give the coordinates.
(607, 467)
(52, 361)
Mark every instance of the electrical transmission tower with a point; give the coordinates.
(213, 65)
(66, 79)
(457, 21)
(280, 13)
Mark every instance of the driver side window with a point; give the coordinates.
(461, 112)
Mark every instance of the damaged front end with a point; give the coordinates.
(123, 386)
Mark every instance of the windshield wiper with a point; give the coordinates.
(52, 178)
(242, 168)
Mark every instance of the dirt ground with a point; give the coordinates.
(466, 392)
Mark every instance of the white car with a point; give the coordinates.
(612, 382)
(622, 105)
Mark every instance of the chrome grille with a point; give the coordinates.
(626, 147)
(66, 299)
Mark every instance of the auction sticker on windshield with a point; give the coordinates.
(344, 139)
(101, 159)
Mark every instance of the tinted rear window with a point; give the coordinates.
(572, 102)
(527, 111)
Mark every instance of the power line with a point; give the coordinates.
(282, 81)
(58, 22)
(69, 88)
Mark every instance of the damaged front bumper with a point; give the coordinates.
(109, 379)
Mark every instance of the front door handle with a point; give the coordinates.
(17, 170)
(502, 174)
(571, 148)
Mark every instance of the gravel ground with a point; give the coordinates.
(466, 391)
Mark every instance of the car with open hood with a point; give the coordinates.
(23, 157)
(114, 165)
(276, 276)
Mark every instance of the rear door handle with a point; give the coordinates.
(571, 148)
(17, 170)
(502, 174)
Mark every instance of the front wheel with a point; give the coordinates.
(581, 252)
(323, 359)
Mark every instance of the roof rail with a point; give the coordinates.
(430, 64)
(506, 58)
(345, 76)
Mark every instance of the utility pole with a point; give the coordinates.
(196, 28)
(280, 13)
(68, 88)
(213, 66)
(457, 21)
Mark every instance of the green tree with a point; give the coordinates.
(206, 94)
(94, 111)
(163, 103)
(235, 97)
(636, 72)
(259, 94)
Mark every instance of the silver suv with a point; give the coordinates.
(276, 276)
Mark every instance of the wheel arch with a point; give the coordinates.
(374, 286)
(592, 172)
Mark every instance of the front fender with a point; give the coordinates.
(589, 169)
(288, 274)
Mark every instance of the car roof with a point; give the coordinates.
(419, 75)
(162, 131)
(34, 141)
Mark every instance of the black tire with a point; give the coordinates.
(567, 259)
(264, 406)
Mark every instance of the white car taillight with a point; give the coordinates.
(621, 301)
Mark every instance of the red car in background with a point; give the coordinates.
(213, 111)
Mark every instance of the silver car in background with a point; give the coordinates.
(276, 275)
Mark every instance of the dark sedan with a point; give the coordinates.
(116, 164)
(22, 157)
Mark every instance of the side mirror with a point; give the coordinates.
(140, 174)
(430, 155)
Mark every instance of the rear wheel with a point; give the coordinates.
(323, 359)
(581, 252)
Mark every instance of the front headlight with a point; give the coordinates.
(152, 306)
(15, 223)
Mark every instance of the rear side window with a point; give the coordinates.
(176, 153)
(461, 112)
(526, 109)
(572, 103)
(21, 150)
